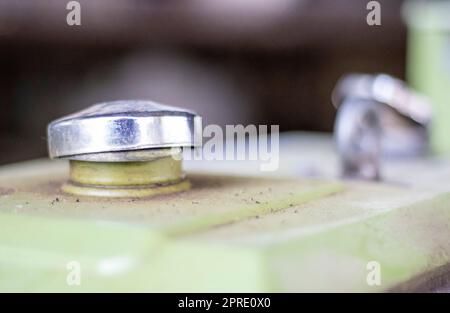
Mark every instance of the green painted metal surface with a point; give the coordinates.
(429, 63)
(229, 233)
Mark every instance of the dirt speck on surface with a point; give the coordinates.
(54, 201)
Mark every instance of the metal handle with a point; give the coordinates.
(377, 116)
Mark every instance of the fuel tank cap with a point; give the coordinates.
(124, 125)
(130, 148)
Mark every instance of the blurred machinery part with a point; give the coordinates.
(378, 116)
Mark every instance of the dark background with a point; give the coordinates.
(260, 62)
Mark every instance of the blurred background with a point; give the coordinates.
(260, 62)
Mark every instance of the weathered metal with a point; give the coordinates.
(125, 148)
(231, 233)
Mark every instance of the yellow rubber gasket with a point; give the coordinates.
(129, 192)
(159, 171)
(161, 175)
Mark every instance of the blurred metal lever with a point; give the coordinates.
(378, 116)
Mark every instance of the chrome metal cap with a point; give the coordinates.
(126, 125)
